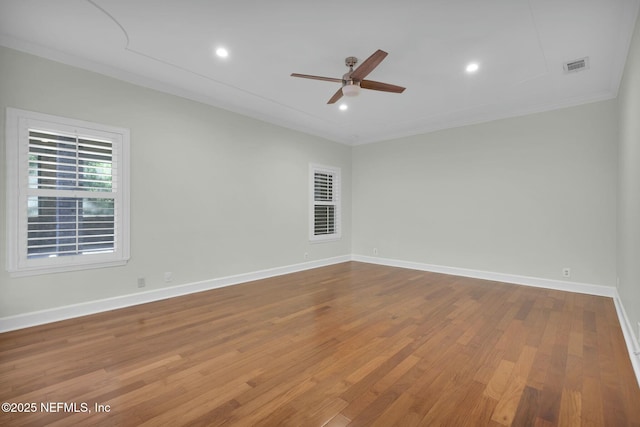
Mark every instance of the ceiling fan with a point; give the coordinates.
(353, 80)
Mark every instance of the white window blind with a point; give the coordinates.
(62, 166)
(325, 205)
(68, 193)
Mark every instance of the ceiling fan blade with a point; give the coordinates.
(368, 65)
(385, 87)
(326, 79)
(335, 97)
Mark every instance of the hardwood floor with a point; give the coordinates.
(351, 344)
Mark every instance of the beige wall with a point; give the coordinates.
(629, 185)
(525, 196)
(213, 193)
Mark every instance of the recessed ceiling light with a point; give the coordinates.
(343, 107)
(472, 67)
(222, 52)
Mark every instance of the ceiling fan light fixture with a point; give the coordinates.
(351, 89)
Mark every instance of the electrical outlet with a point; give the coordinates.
(306, 255)
(142, 282)
(566, 272)
(168, 276)
(375, 251)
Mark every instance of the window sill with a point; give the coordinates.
(24, 272)
(323, 239)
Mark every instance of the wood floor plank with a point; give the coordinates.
(394, 412)
(527, 407)
(570, 409)
(591, 406)
(498, 383)
(345, 345)
(507, 405)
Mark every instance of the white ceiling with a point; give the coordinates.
(521, 46)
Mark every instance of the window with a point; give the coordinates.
(67, 190)
(325, 203)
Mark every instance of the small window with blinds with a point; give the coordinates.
(68, 194)
(325, 203)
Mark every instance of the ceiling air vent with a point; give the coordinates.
(576, 65)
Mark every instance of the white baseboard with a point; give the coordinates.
(35, 318)
(633, 347)
(582, 288)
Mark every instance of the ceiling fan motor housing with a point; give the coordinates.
(350, 61)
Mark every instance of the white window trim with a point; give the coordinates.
(337, 183)
(17, 134)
